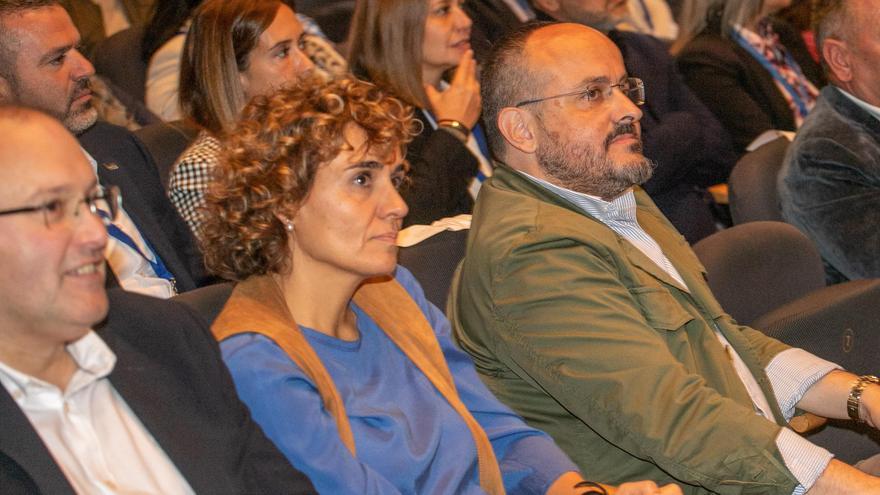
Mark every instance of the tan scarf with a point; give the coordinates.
(257, 306)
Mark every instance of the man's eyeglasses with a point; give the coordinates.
(104, 202)
(599, 92)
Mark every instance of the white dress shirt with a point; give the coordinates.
(131, 269)
(94, 437)
(791, 372)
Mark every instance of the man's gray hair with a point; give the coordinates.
(831, 19)
(8, 44)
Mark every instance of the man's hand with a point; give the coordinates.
(564, 485)
(842, 479)
(645, 488)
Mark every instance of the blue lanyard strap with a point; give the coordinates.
(158, 266)
(794, 93)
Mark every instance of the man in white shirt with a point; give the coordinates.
(830, 182)
(589, 315)
(151, 250)
(139, 402)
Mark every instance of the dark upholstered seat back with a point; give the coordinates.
(433, 262)
(756, 267)
(118, 58)
(752, 184)
(166, 141)
(207, 301)
(840, 323)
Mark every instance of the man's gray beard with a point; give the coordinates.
(78, 122)
(580, 168)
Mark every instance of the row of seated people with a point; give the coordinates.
(616, 349)
(682, 136)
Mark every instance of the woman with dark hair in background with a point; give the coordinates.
(235, 50)
(751, 69)
(406, 47)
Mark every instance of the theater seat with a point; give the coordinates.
(166, 141)
(752, 185)
(840, 323)
(207, 301)
(433, 262)
(756, 267)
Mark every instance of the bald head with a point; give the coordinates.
(29, 132)
(523, 63)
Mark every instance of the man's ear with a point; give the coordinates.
(516, 125)
(838, 59)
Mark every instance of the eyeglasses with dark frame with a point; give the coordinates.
(632, 87)
(104, 202)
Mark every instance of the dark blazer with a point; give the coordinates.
(737, 88)
(491, 20)
(123, 161)
(170, 374)
(441, 169)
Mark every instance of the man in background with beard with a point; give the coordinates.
(151, 249)
(587, 312)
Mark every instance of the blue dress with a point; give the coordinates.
(408, 438)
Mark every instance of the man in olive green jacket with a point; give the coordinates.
(588, 313)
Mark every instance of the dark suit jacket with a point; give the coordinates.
(737, 88)
(441, 169)
(170, 374)
(143, 198)
(492, 19)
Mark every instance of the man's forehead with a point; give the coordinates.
(46, 28)
(39, 154)
(575, 53)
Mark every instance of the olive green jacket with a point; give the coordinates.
(590, 341)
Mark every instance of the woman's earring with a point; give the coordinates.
(289, 226)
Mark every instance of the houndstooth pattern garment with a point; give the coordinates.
(190, 177)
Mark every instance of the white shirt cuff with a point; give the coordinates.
(792, 372)
(805, 460)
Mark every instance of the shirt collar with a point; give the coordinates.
(871, 109)
(620, 209)
(93, 358)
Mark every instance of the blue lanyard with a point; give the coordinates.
(158, 266)
(795, 94)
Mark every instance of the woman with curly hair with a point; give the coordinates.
(341, 359)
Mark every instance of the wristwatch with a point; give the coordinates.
(855, 396)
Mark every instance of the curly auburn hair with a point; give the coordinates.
(270, 160)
